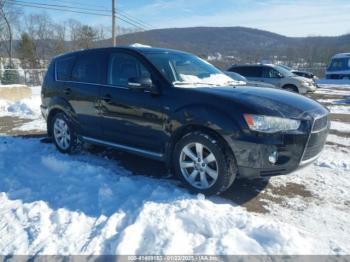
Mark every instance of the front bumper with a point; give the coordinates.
(294, 150)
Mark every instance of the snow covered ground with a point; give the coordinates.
(86, 203)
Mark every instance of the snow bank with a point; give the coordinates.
(57, 204)
(340, 126)
(333, 91)
(335, 109)
(27, 108)
(343, 83)
(345, 141)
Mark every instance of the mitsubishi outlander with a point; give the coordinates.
(174, 107)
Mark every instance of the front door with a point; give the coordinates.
(131, 117)
(271, 76)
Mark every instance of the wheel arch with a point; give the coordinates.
(190, 128)
(59, 105)
(296, 89)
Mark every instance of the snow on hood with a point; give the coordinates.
(213, 79)
(140, 45)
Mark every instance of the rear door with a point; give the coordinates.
(82, 89)
(131, 117)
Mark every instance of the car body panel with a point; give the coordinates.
(147, 122)
(302, 84)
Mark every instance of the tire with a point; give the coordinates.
(193, 170)
(63, 134)
(291, 88)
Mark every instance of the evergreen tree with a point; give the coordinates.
(27, 52)
(10, 76)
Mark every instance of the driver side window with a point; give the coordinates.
(122, 67)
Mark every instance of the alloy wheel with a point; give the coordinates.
(62, 133)
(198, 165)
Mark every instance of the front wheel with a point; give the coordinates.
(204, 164)
(63, 133)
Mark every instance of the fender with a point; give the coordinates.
(59, 103)
(198, 116)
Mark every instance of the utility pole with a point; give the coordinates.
(114, 41)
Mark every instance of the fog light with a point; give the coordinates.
(273, 157)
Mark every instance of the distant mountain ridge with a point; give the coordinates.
(247, 44)
(228, 45)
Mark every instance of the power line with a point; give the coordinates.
(136, 19)
(122, 12)
(104, 11)
(65, 9)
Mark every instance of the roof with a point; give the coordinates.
(142, 50)
(341, 55)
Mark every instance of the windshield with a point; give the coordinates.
(236, 76)
(286, 67)
(185, 70)
(284, 72)
(339, 64)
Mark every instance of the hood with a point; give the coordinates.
(269, 101)
(301, 79)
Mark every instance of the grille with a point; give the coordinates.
(320, 123)
(315, 144)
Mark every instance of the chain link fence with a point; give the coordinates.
(29, 77)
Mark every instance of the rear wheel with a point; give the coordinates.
(203, 164)
(63, 133)
(291, 88)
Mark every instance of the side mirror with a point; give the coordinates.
(144, 83)
(280, 75)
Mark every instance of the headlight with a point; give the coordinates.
(306, 83)
(269, 124)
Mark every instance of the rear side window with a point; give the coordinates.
(64, 68)
(89, 68)
(248, 71)
(122, 67)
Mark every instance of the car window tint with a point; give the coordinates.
(89, 68)
(122, 67)
(269, 72)
(64, 68)
(248, 71)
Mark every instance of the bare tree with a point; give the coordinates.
(9, 15)
(59, 35)
(40, 28)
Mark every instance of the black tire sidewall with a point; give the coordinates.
(73, 139)
(219, 154)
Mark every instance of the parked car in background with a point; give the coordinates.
(244, 81)
(339, 67)
(300, 72)
(174, 107)
(275, 75)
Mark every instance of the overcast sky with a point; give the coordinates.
(286, 17)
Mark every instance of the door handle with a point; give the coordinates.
(107, 98)
(67, 91)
